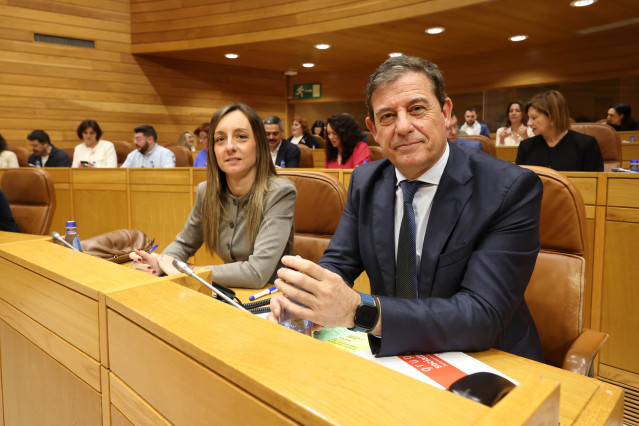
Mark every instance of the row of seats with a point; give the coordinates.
(607, 138)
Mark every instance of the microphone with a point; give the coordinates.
(183, 267)
(57, 237)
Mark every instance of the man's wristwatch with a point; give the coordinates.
(366, 315)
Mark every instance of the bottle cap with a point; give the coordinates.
(70, 223)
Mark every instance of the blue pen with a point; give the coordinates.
(153, 248)
(263, 293)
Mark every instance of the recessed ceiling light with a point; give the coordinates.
(308, 65)
(395, 54)
(322, 46)
(518, 38)
(435, 30)
(232, 55)
(582, 3)
(290, 72)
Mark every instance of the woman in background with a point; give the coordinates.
(202, 133)
(93, 151)
(243, 211)
(299, 130)
(345, 149)
(187, 139)
(8, 158)
(554, 145)
(319, 128)
(620, 118)
(515, 130)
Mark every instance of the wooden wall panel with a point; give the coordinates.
(53, 87)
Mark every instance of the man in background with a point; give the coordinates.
(44, 153)
(452, 135)
(283, 153)
(472, 126)
(148, 152)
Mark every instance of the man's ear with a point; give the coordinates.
(447, 111)
(371, 127)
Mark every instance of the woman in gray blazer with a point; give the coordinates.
(243, 212)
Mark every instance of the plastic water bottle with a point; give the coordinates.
(291, 321)
(632, 138)
(71, 235)
(283, 164)
(38, 163)
(634, 165)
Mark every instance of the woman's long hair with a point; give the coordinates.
(213, 213)
(349, 134)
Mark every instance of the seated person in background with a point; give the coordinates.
(620, 118)
(345, 148)
(452, 134)
(187, 139)
(243, 212)
(148, 153)
(283, 153)
(44, 153)
(202, 133)
(8, 158)
(93, 151)
(319, 128)
(7, 223)
(471, 126)
(299, 130)
(515, 130)
(458, 283)
(554, 144)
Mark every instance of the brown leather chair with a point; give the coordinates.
(321, 142)
(183, 156)
(23, 155)
(320, 202)
(376, 152)
(487, 145)
(122, 149)
(555, 293)
(306, 157)
(608, 140)
(70, 152)
(31, 197)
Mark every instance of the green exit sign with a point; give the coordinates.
(307, 91)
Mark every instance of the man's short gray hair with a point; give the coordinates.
(274, 119)
(394, 68)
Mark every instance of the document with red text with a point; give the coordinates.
(439, 370)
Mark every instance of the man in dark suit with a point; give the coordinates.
(473, 225)
(452, 135)
(283, 153)
(44, 153)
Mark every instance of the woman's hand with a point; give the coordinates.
(523, 132)
(501, 135)
(145, 262)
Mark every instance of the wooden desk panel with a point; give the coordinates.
(507, 153)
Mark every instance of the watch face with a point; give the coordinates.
(366, 316)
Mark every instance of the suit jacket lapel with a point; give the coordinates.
(452, 194)
(384, 228)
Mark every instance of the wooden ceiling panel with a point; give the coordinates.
(280, 35)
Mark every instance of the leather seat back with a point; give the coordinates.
(555, 293)
(608, 140)
(31, 197)
(320, 202)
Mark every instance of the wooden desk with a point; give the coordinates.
(151, 351)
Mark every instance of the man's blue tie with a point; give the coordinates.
(406, 269)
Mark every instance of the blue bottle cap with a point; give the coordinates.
(70, 223)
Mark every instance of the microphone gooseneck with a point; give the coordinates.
(56, 236)
(183, 267)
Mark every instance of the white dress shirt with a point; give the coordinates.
(422, 203)
(475, 129)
